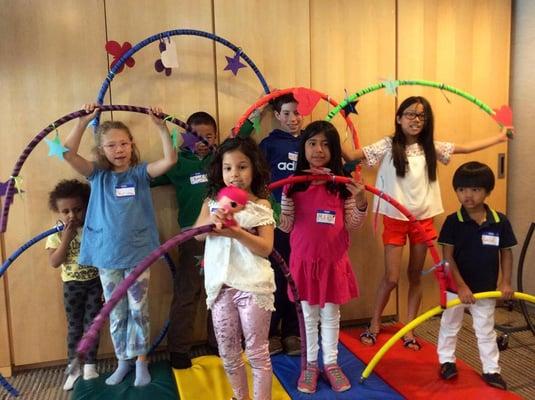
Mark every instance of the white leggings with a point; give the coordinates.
(329, 318)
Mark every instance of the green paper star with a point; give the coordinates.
(55, 148)
(391, 87)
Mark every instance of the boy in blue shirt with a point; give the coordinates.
(280, 148)
(476, 242)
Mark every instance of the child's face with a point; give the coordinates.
(237, 170)
(317, 151)
(71, 210)
(471, 198)
(207, 132)
(290, 119)
(117, 148)
(412, 120)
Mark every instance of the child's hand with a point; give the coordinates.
(220, 218)
(507, 291)
(155, 113)
(91, 109)
(506, 133)
(465, 295)
(358, 192)
(69, 231)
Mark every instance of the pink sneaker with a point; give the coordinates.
(308, 380)
(336, 377)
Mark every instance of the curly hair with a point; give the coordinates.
(251, 150)
(68, 189)
(102, 129)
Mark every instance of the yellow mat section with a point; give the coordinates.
(206, 379)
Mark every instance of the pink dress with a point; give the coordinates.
(319, 261)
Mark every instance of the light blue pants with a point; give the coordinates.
(129, 320)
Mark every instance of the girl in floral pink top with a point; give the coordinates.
(317, 214)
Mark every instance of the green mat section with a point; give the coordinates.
(162, 386)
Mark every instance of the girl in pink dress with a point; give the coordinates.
(317, 214)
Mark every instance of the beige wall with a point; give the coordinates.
(52, 60)
(521, 190)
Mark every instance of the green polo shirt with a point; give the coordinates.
(188, 176)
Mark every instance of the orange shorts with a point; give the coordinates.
(396, 231)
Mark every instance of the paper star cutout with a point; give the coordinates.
(55, 148)
(189, 139)
(234, 64)
(18, 183)
(391, 87)
(351, 108)
(3, 188)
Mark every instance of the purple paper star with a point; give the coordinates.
(234, 63)
(189, 140)
(3, 187)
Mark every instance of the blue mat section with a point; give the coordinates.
(287, 370)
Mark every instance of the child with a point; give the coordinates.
(408, 173)
(82, 292)
(280, 149)
(120, 229)
(238, 277)
(476, 242)
(318, 215)
(188, 176)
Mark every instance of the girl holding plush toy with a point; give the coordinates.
(239, 280)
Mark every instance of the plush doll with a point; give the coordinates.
(231, 199)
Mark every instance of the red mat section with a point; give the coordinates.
(414, 374)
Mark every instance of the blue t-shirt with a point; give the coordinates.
(120, 226)
(280, 149)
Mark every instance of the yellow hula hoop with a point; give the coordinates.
(424, 317)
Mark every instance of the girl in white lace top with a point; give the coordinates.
(239, 280)
(408, 173)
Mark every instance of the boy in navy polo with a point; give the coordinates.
(476, 242)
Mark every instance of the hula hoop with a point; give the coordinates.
(417, 82)
(175, 32)
(273, 95)
(10, 193)
(438, 268)
(424, 317)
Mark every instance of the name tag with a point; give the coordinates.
(326, 217)
(490, 239)
(292, 156)
(197, 178)
(127, 190)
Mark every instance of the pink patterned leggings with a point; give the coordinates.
(234, 312)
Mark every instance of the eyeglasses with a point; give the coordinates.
(113, 146)
(413, 115)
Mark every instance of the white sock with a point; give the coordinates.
(71, 378)
(90, 371)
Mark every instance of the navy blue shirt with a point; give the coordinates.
(477, 247)
(280, 149)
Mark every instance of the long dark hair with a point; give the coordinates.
(259, 164)
(425, 139)
(334, 164)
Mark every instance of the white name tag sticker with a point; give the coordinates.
(197, 178)
(326, 217)
(489, 239)
(292, 156)
(127, 190)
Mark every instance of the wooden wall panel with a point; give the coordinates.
(466, 45)
(50, 63)
(357, 50)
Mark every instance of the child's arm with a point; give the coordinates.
(463, 291)
(356, 206)
(482, 143)
(506, 262)
(161, 166)
(287, 214)
(72, 142)
(57, 256)
(351, 154)
(203, 219)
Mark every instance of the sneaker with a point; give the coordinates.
(308, 380)
(495, 380)
(180, 360)
(336, 377)
(90, 372)
(448, 370)
(71, 377)
(275, 345)
(292, 345)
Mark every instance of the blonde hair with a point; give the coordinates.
(102, 130)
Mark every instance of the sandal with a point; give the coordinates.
(411, 343)
(368, 338)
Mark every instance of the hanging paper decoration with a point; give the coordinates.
(503, 115)
(17, 181)
(189, 140)
(233, 63)
(351, 107)
(306, 100)
(117, 51)
(169, 54)
(159, 65)
(391, 87)
(55, 147)
(256, 123)
(174, 138)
